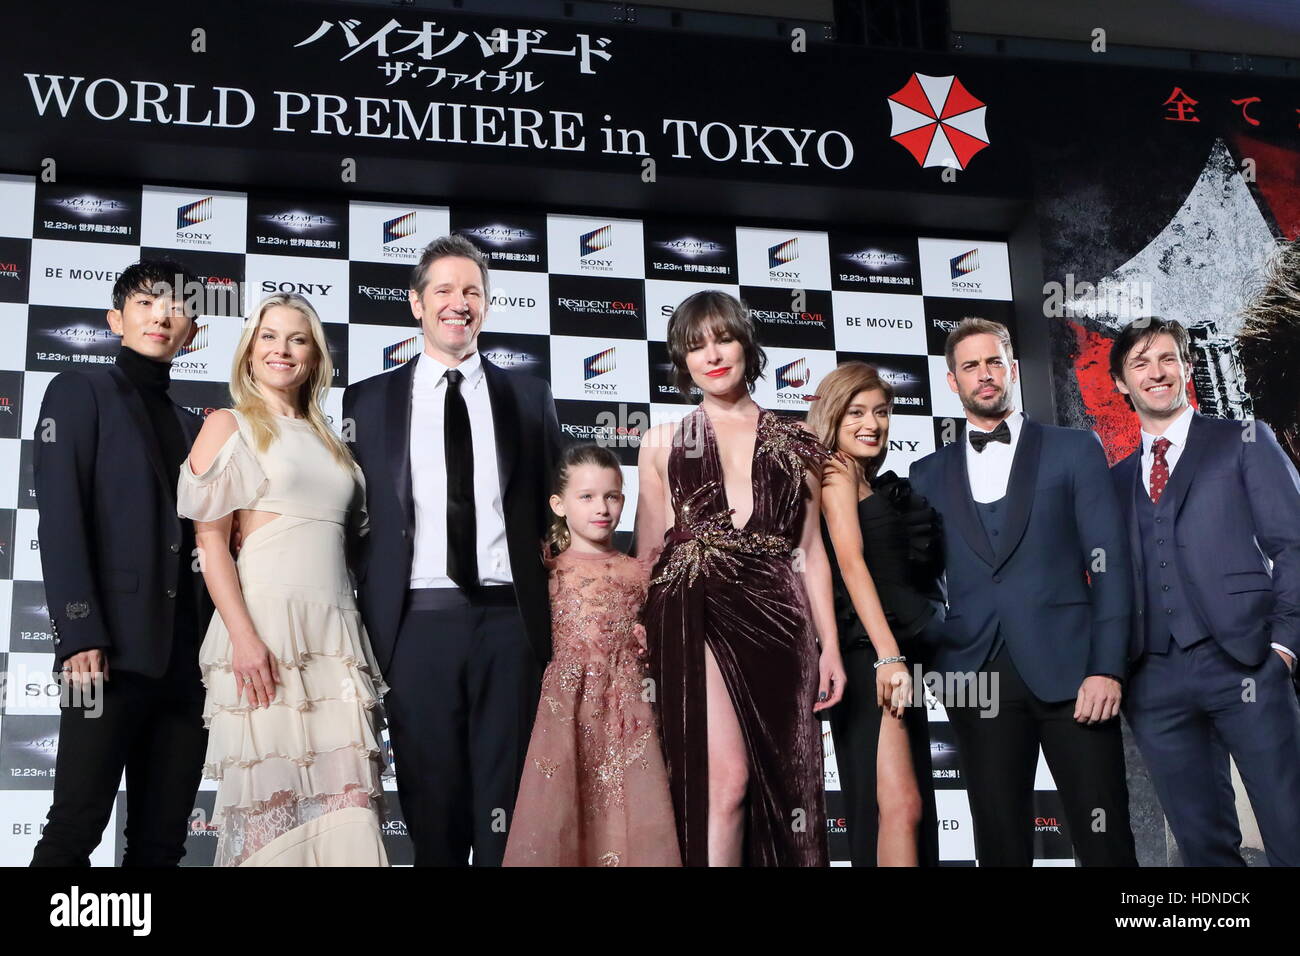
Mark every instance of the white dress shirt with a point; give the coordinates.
(429, 475)
(990, 469)
(1177, 435)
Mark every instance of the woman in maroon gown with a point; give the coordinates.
(736, 607)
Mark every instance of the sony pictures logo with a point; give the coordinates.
(190, 214)
(399, 353)
(791, 379)
(782, 254)
(592, 242)
(200, 341)
(594, 366)
(394, 231)
(959, 267)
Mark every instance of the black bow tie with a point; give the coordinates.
(1002, 433)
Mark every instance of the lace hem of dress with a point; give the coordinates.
(245, 831)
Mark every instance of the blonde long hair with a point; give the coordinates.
(834, 396)
(248, 397)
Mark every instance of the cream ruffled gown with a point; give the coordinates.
(299, 780)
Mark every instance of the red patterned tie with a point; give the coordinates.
(1159, 469)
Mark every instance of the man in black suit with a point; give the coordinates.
(457, 455)
(128, 608)
(1213, 510)
(1039, 596)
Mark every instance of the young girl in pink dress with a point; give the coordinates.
(594, 790)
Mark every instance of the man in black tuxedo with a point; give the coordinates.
(457, 455)
(1213, 511)
(127, 604)
(1039, 596)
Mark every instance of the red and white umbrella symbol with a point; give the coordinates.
(937, 120)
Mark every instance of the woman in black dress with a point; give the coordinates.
(885, 560)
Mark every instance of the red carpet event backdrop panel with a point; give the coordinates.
(583, 301)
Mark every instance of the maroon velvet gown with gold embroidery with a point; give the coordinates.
(741, 592)
(594, 791)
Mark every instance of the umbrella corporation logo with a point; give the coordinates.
(938, 121)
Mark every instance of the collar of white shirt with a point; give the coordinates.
(1176, 432)
(429, 371)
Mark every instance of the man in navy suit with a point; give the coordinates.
(1039, 598)
(1213, 510)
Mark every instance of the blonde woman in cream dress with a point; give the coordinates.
(292, 686)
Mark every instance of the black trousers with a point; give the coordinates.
(464, 684)
(153, 729)
(855, 726)
(999, 757)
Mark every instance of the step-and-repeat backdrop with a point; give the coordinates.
(582, 301)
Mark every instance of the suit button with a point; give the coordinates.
(1164, 587)
(1160, 540)
(1160, 520)
(1164, 564)
(171, 592)
(175, 548)
(993, 508)
(1169, 610)
(996, 579)
(995, 532)
(403, 532)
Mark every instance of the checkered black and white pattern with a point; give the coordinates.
(583, 301)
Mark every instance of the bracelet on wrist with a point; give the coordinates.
(900, 659)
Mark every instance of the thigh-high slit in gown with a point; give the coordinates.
(741, 593)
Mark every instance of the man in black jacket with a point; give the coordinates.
(127, 604)
(457, 455)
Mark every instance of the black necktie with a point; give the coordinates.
(462, 535)
(1002, 433)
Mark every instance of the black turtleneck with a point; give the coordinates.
(152, 379)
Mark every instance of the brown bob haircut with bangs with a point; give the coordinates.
(721, 314)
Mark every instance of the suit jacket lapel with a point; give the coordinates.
(505, 423)
(397, 426)
(964, 514)
(1020, 487)
(1181, 478)
(135, 406)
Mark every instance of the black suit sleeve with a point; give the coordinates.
(1273, 490)
(1104, 538)
(553, 439)
(63, 460)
